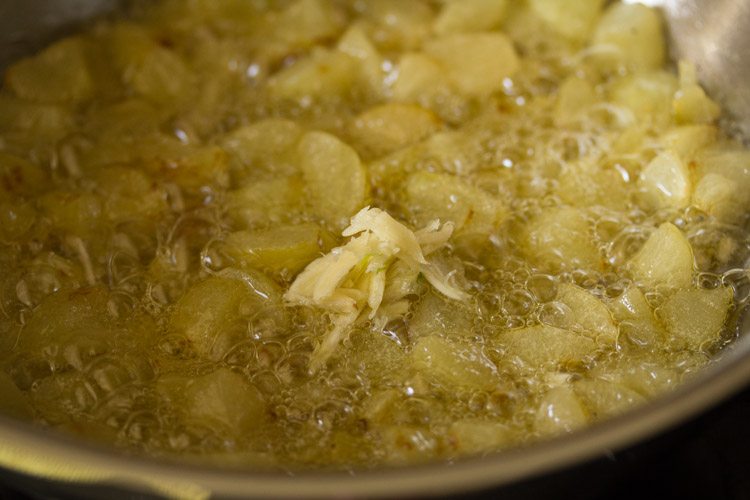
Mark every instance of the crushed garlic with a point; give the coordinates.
(350, 280)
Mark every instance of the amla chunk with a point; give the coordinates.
(666, 181)
(388, 127)
(475, 64)
(560, 238)
(630, 35)
(266, 144)
(222, 398)
(560, 411)
(281, 248)
(447, 197)
(573, 19)
(435, 315)
(460, 16)
(603, 398)
(57, 74)
(336, 180)
(213, 314)
(323, 74)
(590, 315)
(475, 436)
(665, 259)
(546, 345)
(636, 318)
(267, 201)
(453, 364)
(694, 318)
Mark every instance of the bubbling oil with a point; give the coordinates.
(126, 316)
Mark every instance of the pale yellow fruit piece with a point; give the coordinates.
(647, 95)
(287, 248)
(268, 201)
(213, 313)
(546, 345)
(336, 180)
(475, 436)
(193, 168)
(356, 44)
(590, 315)
(50, 121)
(66, 317)
(266, 144)
(720, 197)
(19, 176)
(453, 364)
(129, 194)
(588, 183)
(629, 35)
(73, 213)
(695, 318)
(691, 104)
(666, 259)
(305, 22)
(636, 318)
(163, 76)
(388, 127)
(404, 444)
(574, 97)
(560, 411)
(374, 355)
(666, 181)
(475, 64)
(57, 74)
(686, 140)
(459, 16)
(398, 26)
(574, 19)
(603, 398)
(449, 198)
(222, 398)
(418, 75)
(17, 217)
(732, 164)
(13, 402)
(434, 315)
(560, 238)
(324, 73)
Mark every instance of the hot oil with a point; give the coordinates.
(104, 336)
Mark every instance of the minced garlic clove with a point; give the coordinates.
(350, 280)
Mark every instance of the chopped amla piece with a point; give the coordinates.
(475, 64)
(213, 314)
(388, 127)
(636, 318)
(560, 238)
(629, 35)
(222, 398)
(336, 180)
(459, 16)
(475, 436)
(590, 315)
(666, 181)
(665, 259)
(351, 279)
(286, 248)
(691, 104)
(457, 365)
(560, 411)
(59, 73)
(546, 345)
(694, 318)
(573, 19)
